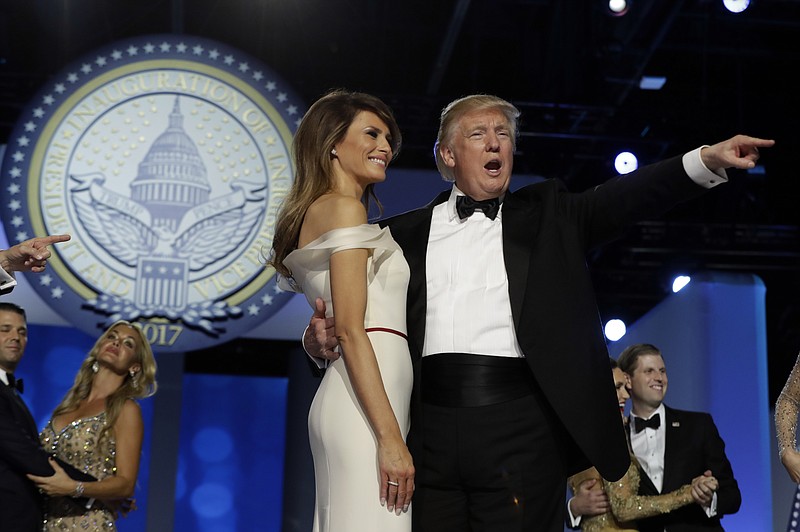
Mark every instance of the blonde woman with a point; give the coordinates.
(98, 429)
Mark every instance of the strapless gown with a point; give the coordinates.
(342, 443)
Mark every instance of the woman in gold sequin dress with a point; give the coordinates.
(323, 245)
(626, 505)
(786, 409)
(98, 429)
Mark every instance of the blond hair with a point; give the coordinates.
(455, 110)
(143, 385)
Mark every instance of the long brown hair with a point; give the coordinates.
(324, 124)
(144, 385)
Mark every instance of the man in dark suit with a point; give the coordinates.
(511, 388)
(20, 451)
(674, 447)
(30, 255)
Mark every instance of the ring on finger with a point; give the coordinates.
(392, 483)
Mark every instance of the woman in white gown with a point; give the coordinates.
(324, 248)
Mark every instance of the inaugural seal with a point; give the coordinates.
(166, 158)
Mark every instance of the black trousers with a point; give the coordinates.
(488, 468)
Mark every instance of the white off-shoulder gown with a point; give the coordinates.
(342, 443)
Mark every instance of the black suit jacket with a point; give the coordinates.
(547, 232)
(692, 446)
(21, 453)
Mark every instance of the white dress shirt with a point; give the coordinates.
(469, 310)
(648, 447)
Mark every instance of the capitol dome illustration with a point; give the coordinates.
(171, 178)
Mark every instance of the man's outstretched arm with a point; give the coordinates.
(30, 255)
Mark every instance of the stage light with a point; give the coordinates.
(736, 6)
(679, 282)
(615, 329)
(652, 83)
(618, 8)
(625, 162)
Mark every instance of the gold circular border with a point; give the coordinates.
(56, 118)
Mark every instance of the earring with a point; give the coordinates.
(134, 378)
(95, 367)
(333, 152)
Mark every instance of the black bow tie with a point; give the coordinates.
(15, 383)
(640, 424)
(465, 206)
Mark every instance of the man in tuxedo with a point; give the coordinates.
(511, 388)
(674, 447)
(30, 255)
(20, 451)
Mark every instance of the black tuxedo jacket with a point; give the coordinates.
(547, 232)
(692, 446)
(21, 453)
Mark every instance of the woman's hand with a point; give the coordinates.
(397, 476)
(58, 484)
(791, 461)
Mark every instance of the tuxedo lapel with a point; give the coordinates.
(519, 228)
(672, 446)
(23, 414)
(411, 232)
(646, 486)
(417, 298)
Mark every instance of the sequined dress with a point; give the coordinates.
(342, 443)
(626, 505)
(786, 409)
(76, 444)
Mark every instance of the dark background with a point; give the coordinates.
(572, 69)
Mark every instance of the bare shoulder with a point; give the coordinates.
(131, 413)
(331, 211)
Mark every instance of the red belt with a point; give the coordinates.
(387, 330)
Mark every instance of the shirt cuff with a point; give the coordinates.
(699, 172)
(7, 280)
(575, 522)
(711, 511)
(321, 363)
